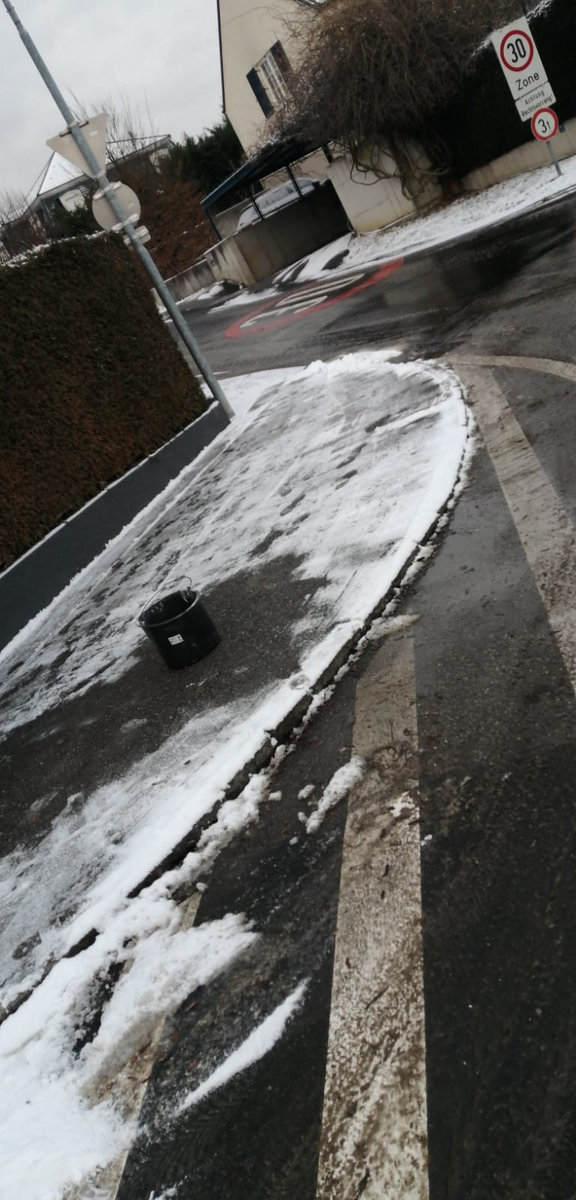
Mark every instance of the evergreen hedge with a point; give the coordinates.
(90, 378)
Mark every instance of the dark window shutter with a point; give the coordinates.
(281, 59)
(260, 92)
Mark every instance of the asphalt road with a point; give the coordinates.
(466, 705)
(423, 305)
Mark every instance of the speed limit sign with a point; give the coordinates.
(516, 50)
(523, 68)
(544, 124)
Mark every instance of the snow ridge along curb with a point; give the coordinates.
(288, 730)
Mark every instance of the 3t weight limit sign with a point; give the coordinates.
(544, 124)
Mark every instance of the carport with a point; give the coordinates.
(275, 157)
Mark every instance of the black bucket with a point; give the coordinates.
(180, 628)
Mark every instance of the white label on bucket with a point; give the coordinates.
(176, 639)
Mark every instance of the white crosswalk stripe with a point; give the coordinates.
(374, 1120)
(543, 524)
(374, 1135)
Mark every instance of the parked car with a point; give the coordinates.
(276, 198)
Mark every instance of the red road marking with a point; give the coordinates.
(237, 329)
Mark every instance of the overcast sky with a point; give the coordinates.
(162, 54)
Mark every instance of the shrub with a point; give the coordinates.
(91, 382)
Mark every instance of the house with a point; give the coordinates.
(258, 57)
(259, 60)
(61, 187)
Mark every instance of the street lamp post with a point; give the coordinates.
(99, 173)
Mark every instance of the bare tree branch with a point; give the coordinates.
(13, 204)
(371, 74)
(128, 127)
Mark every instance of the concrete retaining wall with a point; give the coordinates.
(370, 201)
(524, 158)
(286, 236)
(269, 245)
(200, 275)
(280, 240)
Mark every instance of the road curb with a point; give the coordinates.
(38, 577)
(290, 726)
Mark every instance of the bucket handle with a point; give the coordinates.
(161, 588)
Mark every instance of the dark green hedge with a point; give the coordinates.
(91, 382)
(482, 122)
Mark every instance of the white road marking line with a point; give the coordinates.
(543, 524)
(374, 1132)
(548, 366)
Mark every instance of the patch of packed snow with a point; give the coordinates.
(325, 433)
(348, 464)
(402, 806)
(340, 785)
(259, 1043)
(54, 1130)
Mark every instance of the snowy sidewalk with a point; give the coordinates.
(295, 524)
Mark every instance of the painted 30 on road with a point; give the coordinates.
(304, 301)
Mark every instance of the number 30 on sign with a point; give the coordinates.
(544, 124)
(516, 50)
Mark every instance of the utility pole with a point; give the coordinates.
(99, 173)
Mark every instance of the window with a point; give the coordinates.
(269, 78)
(260, 92)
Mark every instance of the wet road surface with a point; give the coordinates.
(422, 304)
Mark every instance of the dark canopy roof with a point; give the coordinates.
(272, 158)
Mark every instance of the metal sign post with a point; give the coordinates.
(95, 168)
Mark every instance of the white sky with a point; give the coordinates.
(162, 54)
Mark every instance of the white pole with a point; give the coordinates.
(554, 157)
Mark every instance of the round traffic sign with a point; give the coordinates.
(544, 124)
(103, 212)
(516, 50)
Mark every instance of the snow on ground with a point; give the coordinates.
(259, 1043)
(361, 450)
(340, 785)
(53, 1134)
(347, 464)
(466, 215)
(377, 447)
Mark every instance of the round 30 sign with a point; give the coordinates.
(544, 124)
(516, 50)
